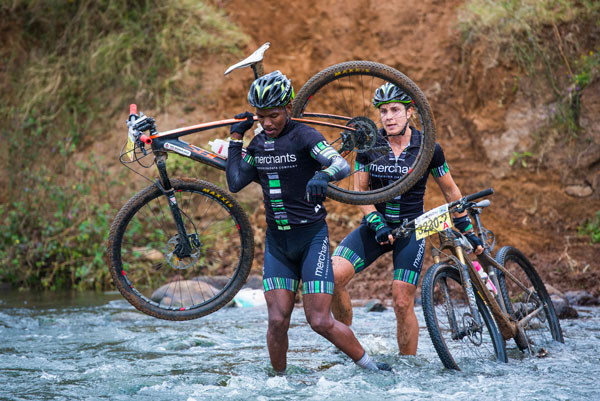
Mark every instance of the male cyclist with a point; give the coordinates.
(373, 237)
(287, 158)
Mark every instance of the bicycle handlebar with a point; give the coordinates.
(479, 194)
(466, 199)
(456, 206)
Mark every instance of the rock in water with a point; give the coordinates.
(375, 305)
(248, 297)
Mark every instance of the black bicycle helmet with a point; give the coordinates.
(389, 93)
(271, 90)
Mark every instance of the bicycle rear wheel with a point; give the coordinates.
(525, 295)
(451, 326)
(342, 95)
(143, 238)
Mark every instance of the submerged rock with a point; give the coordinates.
(194, 290)
(561, 303)
(562, 308)
(583, 298)
(375, 305)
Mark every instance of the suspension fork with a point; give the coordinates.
(184, 249)
(448, 241)
(467, 285)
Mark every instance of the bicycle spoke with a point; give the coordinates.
(527, 301)
(349, 94)
(456, 336)
(147, 264)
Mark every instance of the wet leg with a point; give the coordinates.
(407, 333)
(280, 304)
(343, 271)
(318, 313)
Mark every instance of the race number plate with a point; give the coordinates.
(129, 147)
(433, 221)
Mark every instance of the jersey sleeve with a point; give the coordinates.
(240, 169)
(438, 166)
(326, 155)
(336, 166)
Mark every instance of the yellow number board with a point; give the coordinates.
(433, 221)
(129, 147)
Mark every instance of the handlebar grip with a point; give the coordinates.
(146, 139)
(479, 194)
(132, 109)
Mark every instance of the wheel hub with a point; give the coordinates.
(472, 330)
(363, 138)
(173, 252)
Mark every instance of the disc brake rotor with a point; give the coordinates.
(172, 248)
(363, 138)
(473, 332)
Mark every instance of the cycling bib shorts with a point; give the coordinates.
(298, 254)
(361, 249)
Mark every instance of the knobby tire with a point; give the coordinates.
(142, 262)
(455, 352)
(346, 89)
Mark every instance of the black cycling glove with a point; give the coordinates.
(376, 222)
(316, 188)
(473, 239)
(242, 126)
(463, 224)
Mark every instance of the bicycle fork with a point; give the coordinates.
(183, 248)
(467, 285)
(472, 321)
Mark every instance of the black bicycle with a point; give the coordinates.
(182, 248)
(472, 307)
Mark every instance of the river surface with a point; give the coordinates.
(97, 347)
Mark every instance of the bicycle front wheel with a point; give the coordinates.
(527, 301)
(142, 248)
(454, 332)
(338, 100)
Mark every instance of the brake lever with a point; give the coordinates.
(401, 231)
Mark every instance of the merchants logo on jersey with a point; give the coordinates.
(392, 171)
(275, 159)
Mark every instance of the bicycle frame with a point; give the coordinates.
(169, 141)
(166, 142)
(509, 327)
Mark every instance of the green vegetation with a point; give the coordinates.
(58, 241)
(591, 228)
(542, 38)
(520, 159)
(65, 67)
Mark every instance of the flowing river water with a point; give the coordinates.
(91, 346)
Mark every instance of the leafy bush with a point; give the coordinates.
(58, 241)
(64, 66)
(591, 228)
(528, 33)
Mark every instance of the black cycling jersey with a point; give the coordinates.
(384, 170)
(284, 165)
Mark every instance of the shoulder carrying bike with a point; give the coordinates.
(182, 248)
(468, 317)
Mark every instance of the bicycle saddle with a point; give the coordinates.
(253, 59)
